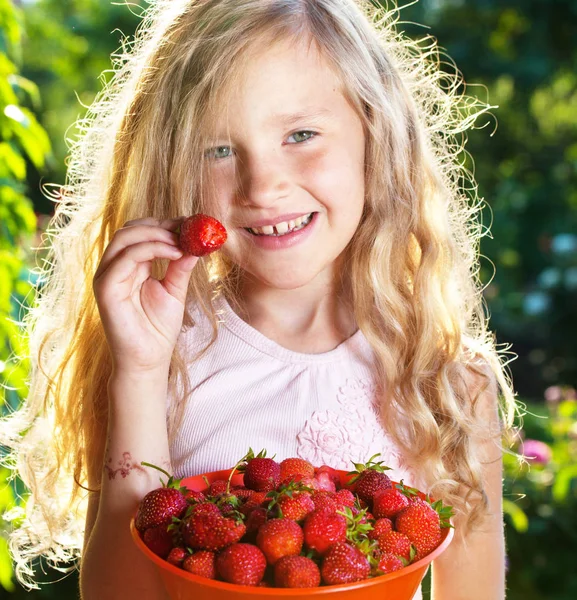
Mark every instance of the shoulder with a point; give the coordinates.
(478, 379)
(481, 392)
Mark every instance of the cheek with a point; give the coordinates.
(218, 189)
(338, 178)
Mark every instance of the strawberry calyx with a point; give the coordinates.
(370, 548)
(357, 526)
(409, 492)
(172, 482)
(371, 464)
(445, 513)
(285, 490)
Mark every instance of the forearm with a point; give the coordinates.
(461, 576)
(112, 567)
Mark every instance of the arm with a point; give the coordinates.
(141, 317)
(112, 567)
(477, 572)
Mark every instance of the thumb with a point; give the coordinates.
(178, 275)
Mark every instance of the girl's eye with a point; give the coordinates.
(302, 136)
(218, 152)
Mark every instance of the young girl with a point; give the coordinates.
(343, 317)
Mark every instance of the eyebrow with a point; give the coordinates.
(308, 113)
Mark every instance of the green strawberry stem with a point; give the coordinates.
(409, 492)
(241, 464)
(356, 530)
(445, 513)
(370, 464)
(157, 468)
(171, 482)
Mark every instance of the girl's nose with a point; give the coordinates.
(263, 181)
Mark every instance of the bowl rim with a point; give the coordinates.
(424, 562)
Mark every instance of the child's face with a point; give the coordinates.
(274, 170)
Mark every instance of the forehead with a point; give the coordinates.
(278, 85)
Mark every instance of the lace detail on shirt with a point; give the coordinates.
(351, 432)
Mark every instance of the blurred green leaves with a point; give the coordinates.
(540, 501)
(22, 141)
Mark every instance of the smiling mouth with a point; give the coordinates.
(283, 228)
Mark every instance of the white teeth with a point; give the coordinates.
(282, 228)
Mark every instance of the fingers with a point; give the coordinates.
(138, 231)
(126, 262)
(178, 275)
(170, 224)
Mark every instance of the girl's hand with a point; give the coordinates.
(142, 316)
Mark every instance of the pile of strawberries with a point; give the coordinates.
(291, 524)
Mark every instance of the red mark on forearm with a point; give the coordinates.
(125, 466)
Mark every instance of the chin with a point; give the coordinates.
(283, 280)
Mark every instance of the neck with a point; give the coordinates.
(314, 318)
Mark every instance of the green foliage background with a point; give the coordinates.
(521, 56)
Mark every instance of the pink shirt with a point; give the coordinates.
(250, 391)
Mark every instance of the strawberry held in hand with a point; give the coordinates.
(200, 235)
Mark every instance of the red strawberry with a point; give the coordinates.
(262, 474)
(204, 508)
(344, 498)
(159, 540)
(296, 506)
(296, 468)
(327, 474)
(176, 556)
(256, 518)
(194, 496)
(389, 563)
(278, 538)
(296, 572)
(298, 478)
(421, 523)
(324, 481)
(387, 503)
(201, 563)
(159, 506)
(325, 500)
(397, 543)
(344, 564)
(243, 564)
(217, 487)
(369, 478)
(255, 500)
(211, 532)
(243, 494)
(380, 526)
(201, 235)
(323, 529)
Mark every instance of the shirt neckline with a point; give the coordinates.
(257, 340)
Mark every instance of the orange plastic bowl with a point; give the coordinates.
(181, 585)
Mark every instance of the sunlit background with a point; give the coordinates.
(519, 55)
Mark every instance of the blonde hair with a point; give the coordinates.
(413, 262)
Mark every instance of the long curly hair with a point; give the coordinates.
(413, 264)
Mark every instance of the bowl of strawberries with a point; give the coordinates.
(268, 528)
